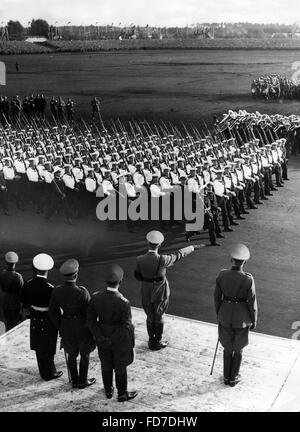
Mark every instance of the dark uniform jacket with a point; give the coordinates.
(109, 319)
(43, 334)
(151, 270)
(67, 310)
(11, 284)
(233, 283)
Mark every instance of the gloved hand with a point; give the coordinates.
(253, 326)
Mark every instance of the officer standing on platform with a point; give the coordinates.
(36, 294)
(67, 310)
(11, 284)
(109, 319)
(236, 308)
(151, 271)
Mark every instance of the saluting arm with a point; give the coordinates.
(169, 260)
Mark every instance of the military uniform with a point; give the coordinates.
(11, 283)
(67, 310)
(36, 294)
(109, 319)
(236, 308)
(151, 271)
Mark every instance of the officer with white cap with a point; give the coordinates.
(236, 308)
(36, 294)
(109, 319)
(151, 271)
(67, 310)
(11, 284)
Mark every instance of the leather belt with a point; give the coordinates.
(235, 299)
(39, 309)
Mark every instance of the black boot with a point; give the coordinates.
(107, 378)
(159, 344)
(83, 381)
(72, 364)
(121, 383)
(235, 368)
(151, 334)
(227, 361)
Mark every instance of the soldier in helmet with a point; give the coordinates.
(11, 284)
(151, 271)
(36, 295)
(67, 310)
(236, 308)
(109, 319)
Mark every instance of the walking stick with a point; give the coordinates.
(216, 350)
(66, 358)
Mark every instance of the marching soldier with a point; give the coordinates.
(109, 319)
(236, 309)
(67, 310)
(36, 295)
(151, 271)
(11, 284)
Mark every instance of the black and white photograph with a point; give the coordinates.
(149, 209)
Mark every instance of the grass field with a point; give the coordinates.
(172, 85)
(169, 84)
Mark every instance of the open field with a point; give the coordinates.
(174, 85)
(166, 84)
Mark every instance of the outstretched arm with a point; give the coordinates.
(171, 259)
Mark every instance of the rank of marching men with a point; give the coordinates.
(158, 166)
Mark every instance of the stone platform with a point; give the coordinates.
(174, 379)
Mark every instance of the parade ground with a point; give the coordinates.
(270, 375)
(175, 85)
(163, 84)
(271, 233)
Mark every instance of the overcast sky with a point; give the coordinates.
(152, 12)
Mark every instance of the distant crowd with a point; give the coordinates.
(275, 87)
(34, 107)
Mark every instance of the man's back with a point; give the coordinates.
(71, 298)
(235, 299)
(37, 291)
(110, 307)
(11, 284)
